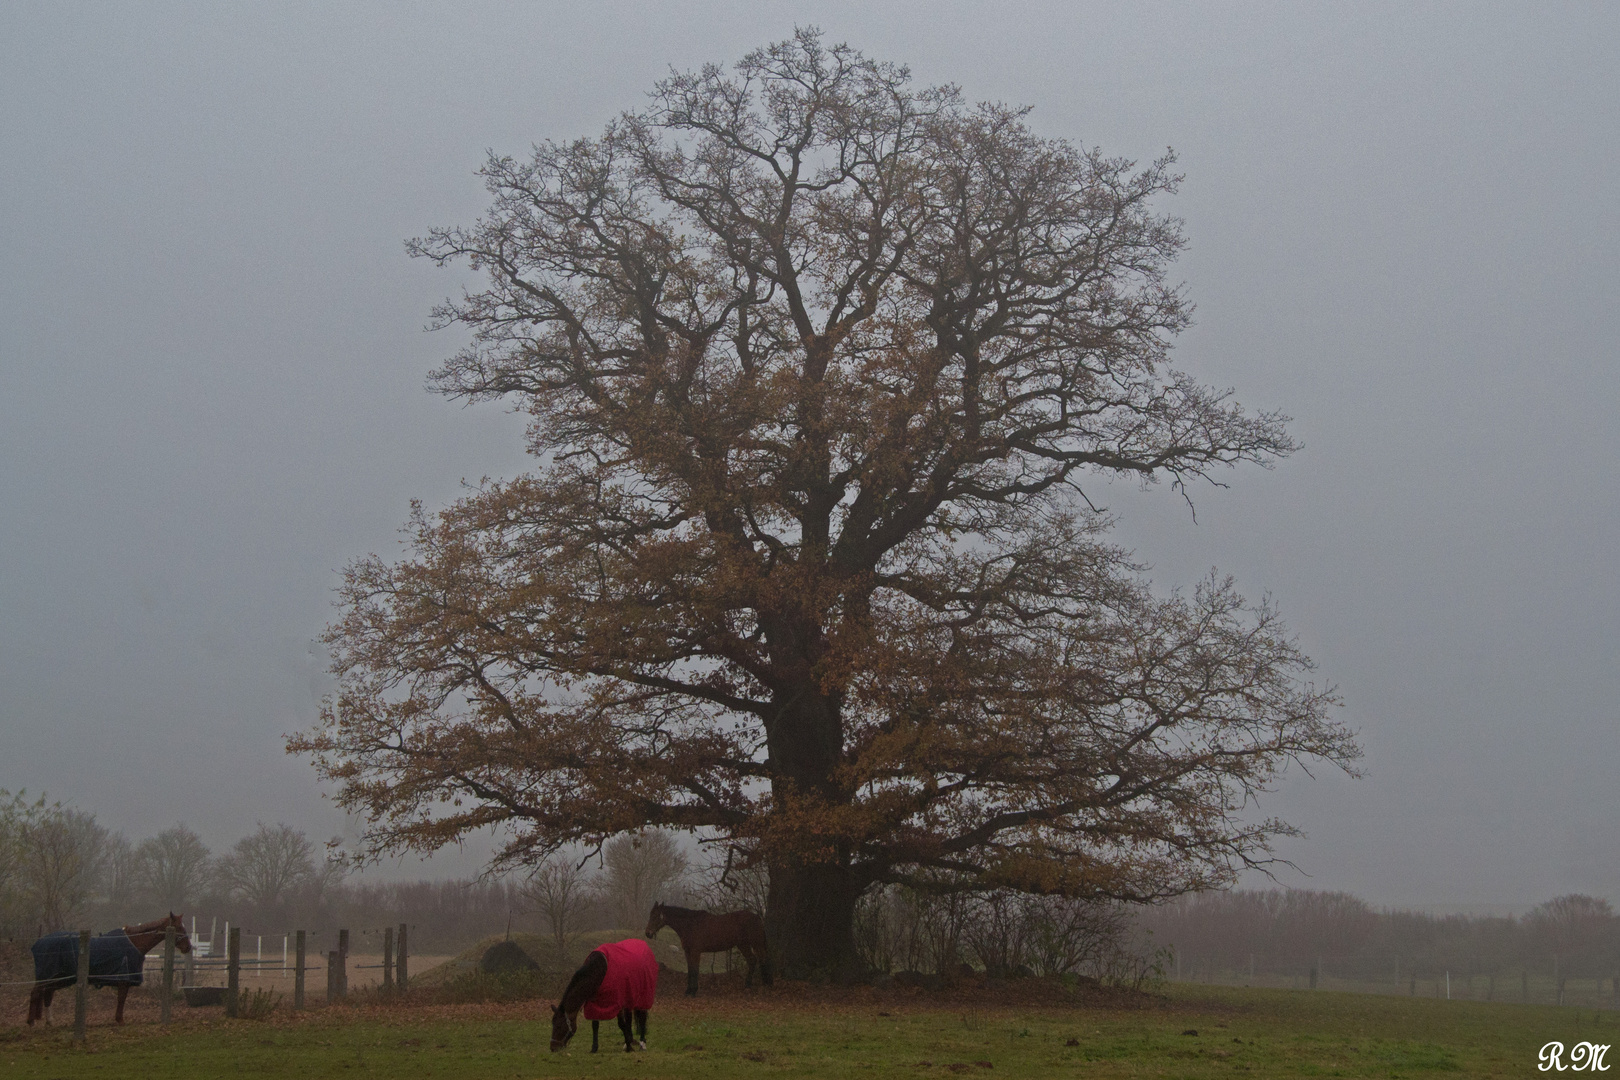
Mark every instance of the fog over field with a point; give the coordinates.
(1404, 234)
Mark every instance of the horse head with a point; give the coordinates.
(182, 941)
(563, 1026)
(656, 920)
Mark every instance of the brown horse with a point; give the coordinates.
(143, 938)
(705, 932)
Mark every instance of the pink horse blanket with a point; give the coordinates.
(631, 982)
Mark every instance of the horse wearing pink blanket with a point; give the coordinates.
(617, 981)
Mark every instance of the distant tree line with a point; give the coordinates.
(1290, 930)
(60, 868)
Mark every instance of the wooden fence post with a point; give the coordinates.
(81, 988)
(388, 959)
(166, 1010)
(343, 965)
(233, 969)
(399, 945)
(298, 973)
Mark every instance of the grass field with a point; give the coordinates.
(1250, 1033)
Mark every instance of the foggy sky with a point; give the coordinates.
(1403, 223)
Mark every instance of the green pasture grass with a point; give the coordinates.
(1240, 1032)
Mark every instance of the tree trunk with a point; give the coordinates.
(810, 909)
(810, 921)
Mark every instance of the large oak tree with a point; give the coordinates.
(818, 363)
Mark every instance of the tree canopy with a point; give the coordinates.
(818, 363)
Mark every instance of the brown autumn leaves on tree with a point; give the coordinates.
(817, 364)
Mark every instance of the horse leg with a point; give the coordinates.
(595, 1024)
(49, 993)
(694, 964)
(641, 1026)
(35, 1007)
(748, 958)
(624, 1027)
(123, 992)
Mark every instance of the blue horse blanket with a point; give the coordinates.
(114, 959)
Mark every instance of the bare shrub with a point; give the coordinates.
(172, 868)
(558, 890)
(1065, 935)
(733, 883)
(18, 818)
(1132, 963)
(65, 856)
(257, 1004)
(638, 869)
(265, 868)
(901, 928)
(1003, 932)
(1574, 926)
(997, 929)
(119, 874)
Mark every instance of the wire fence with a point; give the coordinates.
(1550, 980)
(207, 975)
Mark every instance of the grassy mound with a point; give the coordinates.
(543, 950)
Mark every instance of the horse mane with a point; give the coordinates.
(154, 931)
(687, 914)
(584, 983)
(141, 928)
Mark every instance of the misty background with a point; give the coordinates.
(1404, 232)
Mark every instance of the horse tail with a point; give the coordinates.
(762, 945)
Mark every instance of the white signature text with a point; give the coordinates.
(1583, 1055)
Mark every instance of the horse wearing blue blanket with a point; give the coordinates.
(116, 959)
